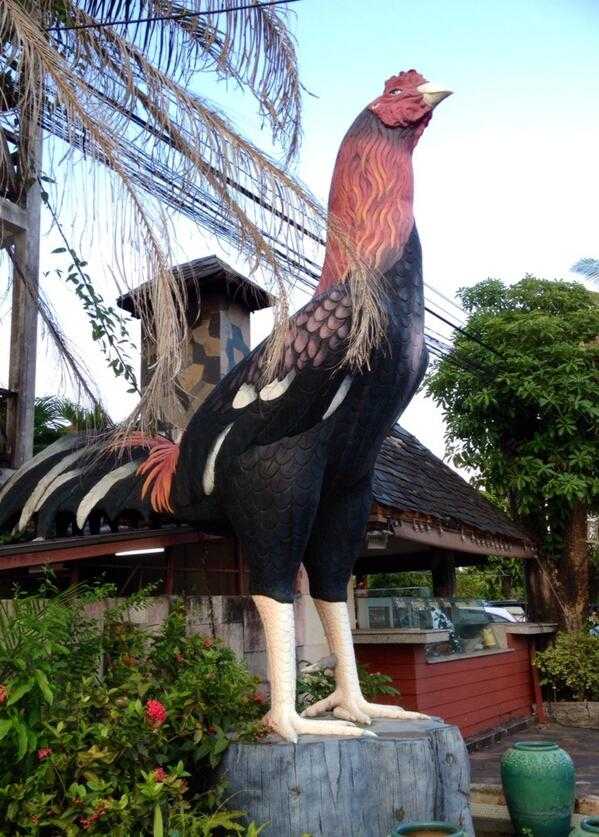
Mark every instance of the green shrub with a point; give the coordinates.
(317, 685)
(106, 730)
(570, 666)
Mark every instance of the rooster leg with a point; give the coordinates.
(279, 628)
(347, 701)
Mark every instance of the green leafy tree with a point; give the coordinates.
(497, 578)
(415, 578)
(524, 416)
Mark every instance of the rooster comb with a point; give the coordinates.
(409, 78)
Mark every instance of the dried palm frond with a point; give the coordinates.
(252, 46)
(124, 93)
(80, 376)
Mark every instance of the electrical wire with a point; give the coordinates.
(445, 298)
(297, 261)
(465, 333)
(181, 16)
(450, 357)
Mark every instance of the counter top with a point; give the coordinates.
(530, 628)
(399, 636)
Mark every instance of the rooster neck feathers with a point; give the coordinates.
(371, 198)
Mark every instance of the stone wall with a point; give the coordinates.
(235, 620)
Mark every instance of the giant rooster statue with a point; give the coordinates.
(288, 463)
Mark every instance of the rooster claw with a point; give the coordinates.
(290, 725)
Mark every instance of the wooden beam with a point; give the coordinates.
(13, 221)
(455, 541)
(39, 553)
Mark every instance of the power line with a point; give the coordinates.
(446, 351)
(437, 305)
(181, 16)
(450, 357)
(445, 298)
(295, 263)
(465, 333)
(247, 193)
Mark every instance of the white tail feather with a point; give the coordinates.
(339, 396)
(208, 478)
(64, 443)
(36, 497)
(101, 489)
(61, 480)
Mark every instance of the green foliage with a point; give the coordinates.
(497, 578)
(108, 326)
(53, 417)
(317, 685)
(526, 418)
(108, 730)
(570, 667)
(404, 579)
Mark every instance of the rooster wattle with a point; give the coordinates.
(289, 464)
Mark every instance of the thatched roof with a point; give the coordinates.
(409, 478)
(209, 274)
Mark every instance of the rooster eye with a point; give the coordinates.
(395, 92)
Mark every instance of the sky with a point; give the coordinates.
(506, 174)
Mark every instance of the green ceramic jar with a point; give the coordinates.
(427, 829)
(538, 781)
(586, 827)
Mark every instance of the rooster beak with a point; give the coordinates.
(432, 93)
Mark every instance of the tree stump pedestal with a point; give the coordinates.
(353, 787)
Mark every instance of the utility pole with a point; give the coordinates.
(20, 232)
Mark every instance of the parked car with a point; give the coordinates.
(516, 608)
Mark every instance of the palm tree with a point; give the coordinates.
(117, 80)
(587, 267)
(53, 417)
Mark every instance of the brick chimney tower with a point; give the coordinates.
(219, 303)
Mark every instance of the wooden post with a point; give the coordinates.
(169, 582)
(23, 334)
(536, 684)
(443, 573)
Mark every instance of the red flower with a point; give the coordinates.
(208, 642)
(257, 698)
(155, 713)
(43, 753)
(3, 694)
(99, 811)
(160, 774)
(179, 658)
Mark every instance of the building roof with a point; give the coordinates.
(424, 499)
(207, 274)
(409, 478)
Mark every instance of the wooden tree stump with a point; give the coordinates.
(321, 786)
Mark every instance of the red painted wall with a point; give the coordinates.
(476, 693)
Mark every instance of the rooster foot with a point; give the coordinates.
(354, 707)
(288, 724)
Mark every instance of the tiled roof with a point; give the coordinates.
(409, 478)
(208, 273)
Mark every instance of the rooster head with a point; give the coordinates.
(407, 101)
